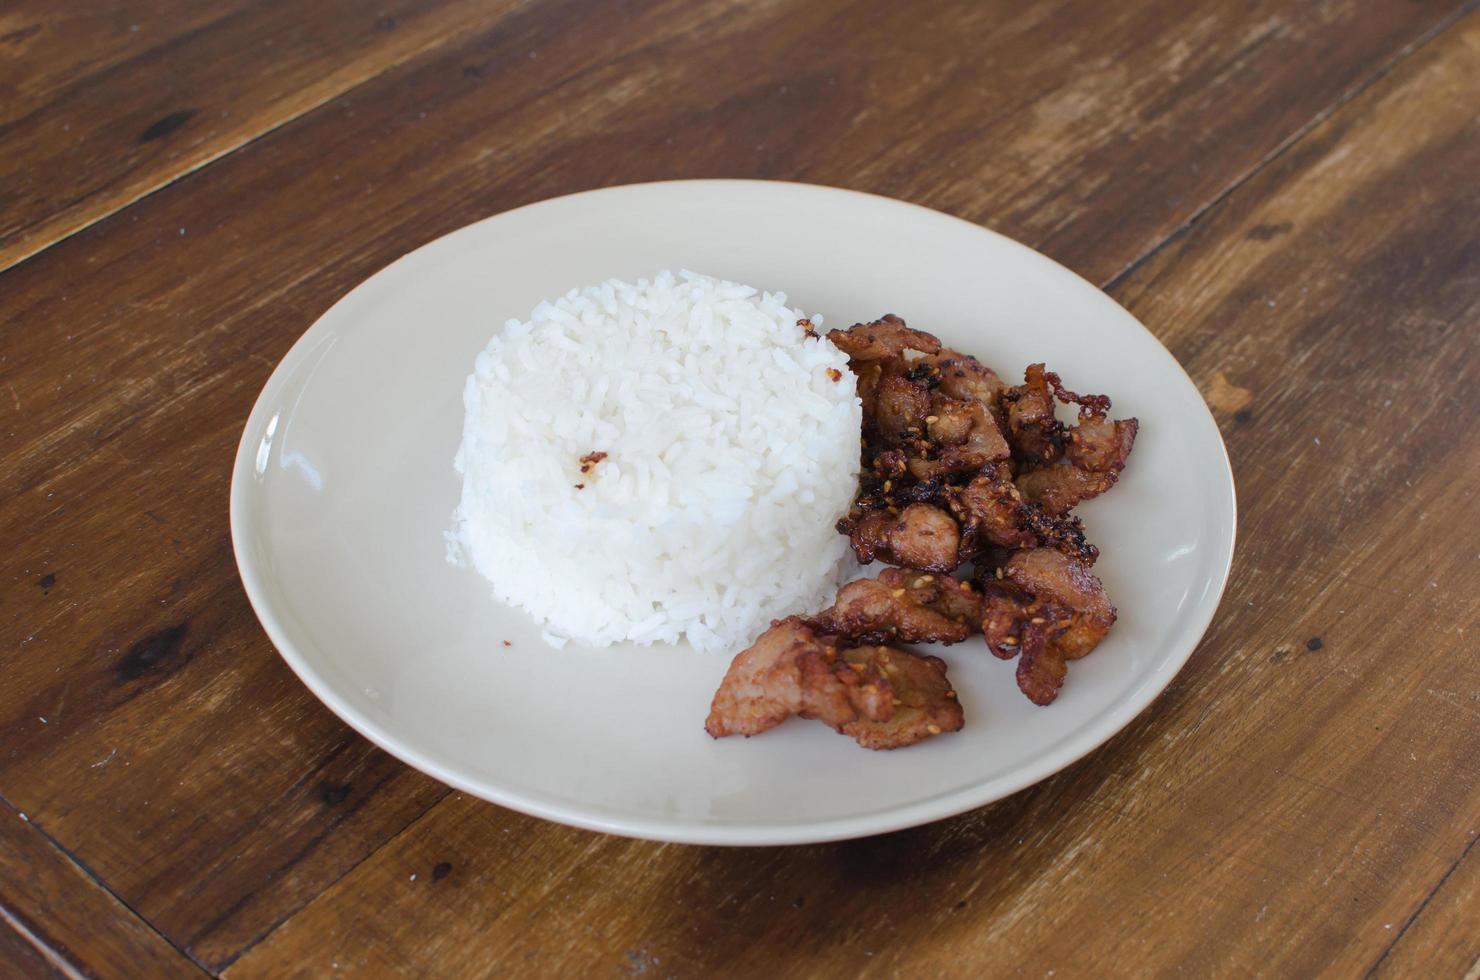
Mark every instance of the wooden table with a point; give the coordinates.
(1287, 193)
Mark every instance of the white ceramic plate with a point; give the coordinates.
(344, 484)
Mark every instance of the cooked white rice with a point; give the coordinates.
(733, 448)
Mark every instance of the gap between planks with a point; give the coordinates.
(52, 957)
(1424, 904)
(1354, 91)
(42, 946)
(278, 923)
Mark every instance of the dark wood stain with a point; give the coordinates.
(1314, 643)
(166, 125)
(151, 652)
(1266, 232)
(442, 870)
(47, 581)
(1243, 416)
(332, 794)
(20, 35)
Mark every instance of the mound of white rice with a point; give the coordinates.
(732, 448)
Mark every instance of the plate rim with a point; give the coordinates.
(1093, 735)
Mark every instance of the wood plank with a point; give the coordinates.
(105, 103)
(56, 920)
(121, 620)
(1442, 937)
(1301, 787)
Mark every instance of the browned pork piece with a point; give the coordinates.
(1035, 434)
(963, 376)
(883, 697)
(894, 403)
(1060, 466)
(900, 408)
(924, 703)
(1095, 455)
(903, 607)
(993, 514)
(1044, 608)
(884, 339)
(960, 437)
(790, 670)
(920, 536)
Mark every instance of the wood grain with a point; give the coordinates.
(56, 921)
(1289, 802)
(185, 766)
(102, 104)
